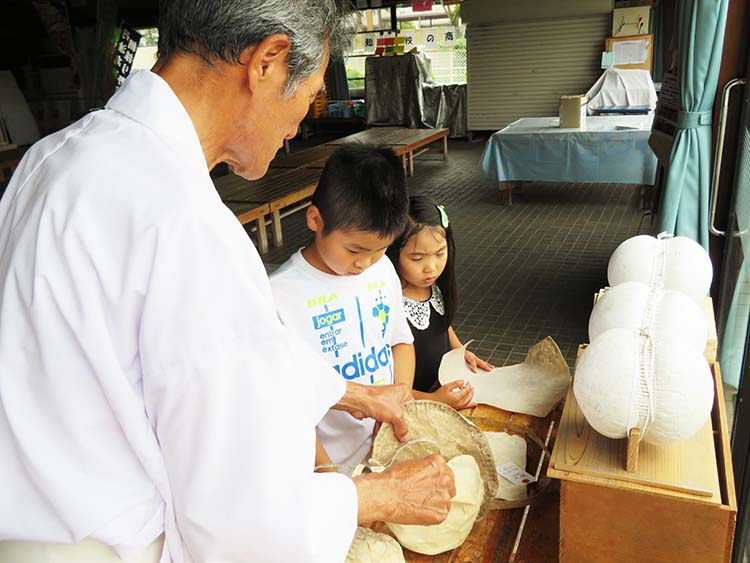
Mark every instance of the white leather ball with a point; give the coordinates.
(666, 314)
(609, 389)
(677, 263)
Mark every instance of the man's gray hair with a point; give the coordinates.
(220, 30)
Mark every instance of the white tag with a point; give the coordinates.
(515, 474)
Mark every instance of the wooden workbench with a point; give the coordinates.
(507, 535)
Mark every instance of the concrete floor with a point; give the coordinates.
(526, 271)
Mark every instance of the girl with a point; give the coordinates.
(424, 257)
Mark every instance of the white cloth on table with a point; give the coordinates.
(622, 88)
(354, 322)
(146, 383)
(611, 149)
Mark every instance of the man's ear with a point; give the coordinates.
(268, 62)
(314, 219)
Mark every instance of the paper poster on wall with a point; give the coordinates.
(630, 52)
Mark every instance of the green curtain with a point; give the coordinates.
(700, 38)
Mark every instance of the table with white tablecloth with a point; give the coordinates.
(611, 149)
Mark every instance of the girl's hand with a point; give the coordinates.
(474, 362)
(457, 394)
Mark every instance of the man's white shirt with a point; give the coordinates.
(146, 383)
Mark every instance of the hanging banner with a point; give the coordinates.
(411, 38)
(369, 43)
(430, 37)
(448, 36)
(125, 53)
(400, 42)
(421, 5)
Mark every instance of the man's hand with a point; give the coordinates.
(414, 492)
(381, 402)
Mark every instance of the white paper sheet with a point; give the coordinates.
(533, 387)
(508, 448)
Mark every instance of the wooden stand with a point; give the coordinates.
(669, 503)
(631, 457)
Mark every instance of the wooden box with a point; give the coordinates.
(679, 506)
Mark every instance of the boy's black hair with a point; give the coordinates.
(362, 188)
(424, 213)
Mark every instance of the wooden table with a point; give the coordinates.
(610, 149)
(406, 143)
(277, 190)
(518, 535)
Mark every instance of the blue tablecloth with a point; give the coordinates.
(610, 149)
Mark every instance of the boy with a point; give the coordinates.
(341, 297)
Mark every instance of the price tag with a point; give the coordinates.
(515, 474)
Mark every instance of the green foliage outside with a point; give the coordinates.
(359, 77)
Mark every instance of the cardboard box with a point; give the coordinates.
(573, 112)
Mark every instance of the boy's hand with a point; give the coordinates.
(474, 362)
(457, 394)
(381, 402)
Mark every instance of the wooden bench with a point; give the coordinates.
(253, 200)
(315, 157)
(230, 190)
(416, 141)
(405, 142)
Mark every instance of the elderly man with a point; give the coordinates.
(152, 406)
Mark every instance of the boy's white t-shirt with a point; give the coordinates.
(354, 321)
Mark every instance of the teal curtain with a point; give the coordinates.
(700, 38)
